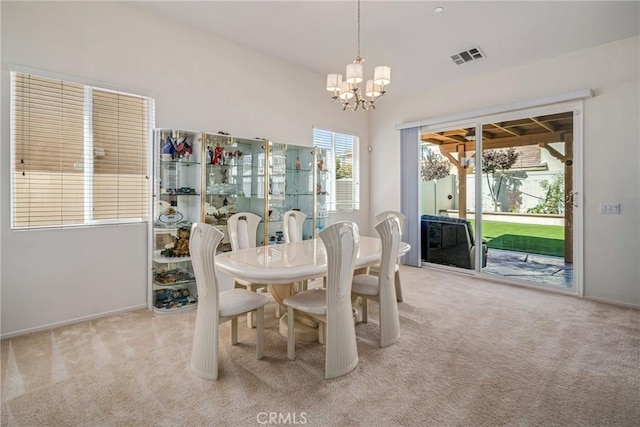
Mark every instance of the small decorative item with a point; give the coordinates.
(297, 163)
(170, 216)
(167, 149)
(217, 154)
(182, 147)
(181, 246)
(209, 154)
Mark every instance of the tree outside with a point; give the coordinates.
(553, 200)
(433, 166)
(343, 170)
(504, 185)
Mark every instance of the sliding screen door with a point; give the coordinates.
(497, 196)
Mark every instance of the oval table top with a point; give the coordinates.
(292, 262)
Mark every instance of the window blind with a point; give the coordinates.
(79, 154)
(342, 163)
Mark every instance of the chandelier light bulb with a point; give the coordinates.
(354, 73)
(382, 75)
(345, 91)
(333, 82)
(372, 90)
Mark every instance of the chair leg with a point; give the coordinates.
(234, 331)
(251, 320)
(291, 334)
(259, 333)
(399, 297)
(365, 315)
(322, 334)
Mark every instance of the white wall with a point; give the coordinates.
(611, 148)
(199, 83)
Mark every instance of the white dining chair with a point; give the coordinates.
(374, 269)
(381, 288)
(242, 228)
(292, 225)
(331, 306)
(215, 307)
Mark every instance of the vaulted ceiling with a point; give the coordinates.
(408, 35)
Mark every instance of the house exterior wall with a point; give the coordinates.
(199, 82)
(610, 148)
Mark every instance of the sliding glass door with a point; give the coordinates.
(497, 196)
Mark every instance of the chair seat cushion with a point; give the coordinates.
(375, 269)
(313, 301)
(365, 284)
(238, 301)
(247, 283)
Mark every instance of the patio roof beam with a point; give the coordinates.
(508, 142)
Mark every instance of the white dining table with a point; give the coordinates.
(281, 266)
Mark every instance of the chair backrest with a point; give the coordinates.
(292, 225)
(203, 243)
(389, 231)
(242, 228)
(391, 214)
(341, 241)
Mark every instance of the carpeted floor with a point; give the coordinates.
(472, 353)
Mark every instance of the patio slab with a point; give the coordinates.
(536, 268)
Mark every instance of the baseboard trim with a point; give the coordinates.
(613, 302)
(70, 322)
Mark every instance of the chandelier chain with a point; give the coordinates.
(358, 28)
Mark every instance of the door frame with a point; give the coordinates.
(476, 121)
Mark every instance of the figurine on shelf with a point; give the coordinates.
(182, 147)
(297, 163)
(217, 154)
(320, 190)
(181, 247)
(209, 154)
(321, 167)
(168, 150)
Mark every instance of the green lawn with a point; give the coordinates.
(529, 238)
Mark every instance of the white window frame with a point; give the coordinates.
(330, 166)
(88, 148)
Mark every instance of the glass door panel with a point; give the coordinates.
(527, 172)
(447, 196)
(525, 181)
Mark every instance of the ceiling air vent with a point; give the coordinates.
(468, 55)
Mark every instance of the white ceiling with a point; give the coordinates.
(408, 35)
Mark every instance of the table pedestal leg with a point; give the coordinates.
(306, 328)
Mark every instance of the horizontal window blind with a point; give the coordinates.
(342, 163)
(79, 154)
(120, 148)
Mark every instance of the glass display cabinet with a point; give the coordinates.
(177, 204)
(232, 180)
(291, 187)
(200, 176)
(321, 190)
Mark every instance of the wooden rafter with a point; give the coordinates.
(548, 127)
(511, 131)
(520, 141)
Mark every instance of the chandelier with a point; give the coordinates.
(348, 92)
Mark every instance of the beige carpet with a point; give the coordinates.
(472, 353)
